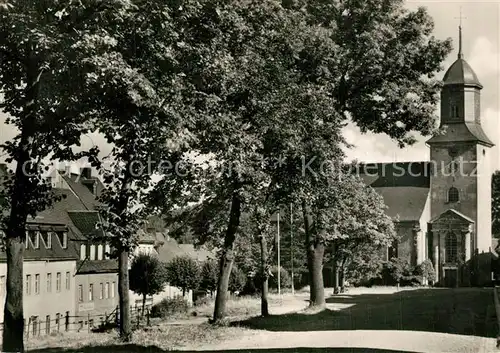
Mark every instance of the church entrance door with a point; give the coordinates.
(450, 277)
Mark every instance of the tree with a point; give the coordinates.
(282, 81)
(495, 204)
(244, 83)
(380, 63)
(209, 272)
(40, 74)
(133, 98)
(147, 276)
(183, 272)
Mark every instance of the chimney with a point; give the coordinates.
(86, 172)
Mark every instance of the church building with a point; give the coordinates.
(442, 208)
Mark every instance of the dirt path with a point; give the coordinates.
(408, 341)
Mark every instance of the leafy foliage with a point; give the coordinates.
(147, 275)
(237, 280)
(183, 272)
(426, 270)
(209, 275)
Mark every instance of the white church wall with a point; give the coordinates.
(483, 200)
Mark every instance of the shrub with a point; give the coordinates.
(170, 306)
(285, 279)
(183, 272)
(426, 270)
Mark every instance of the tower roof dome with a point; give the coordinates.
(460, 73)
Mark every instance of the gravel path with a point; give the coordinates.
(409, 341)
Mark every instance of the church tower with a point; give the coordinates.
(460, 181)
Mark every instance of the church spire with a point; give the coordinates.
(460, 54)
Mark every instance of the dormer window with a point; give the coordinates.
(33, 239)
(83, 251)
(46, 239)
(63, 239)
(454, 111)
(92, 252)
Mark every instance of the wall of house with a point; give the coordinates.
(42, 299)
(96, 307)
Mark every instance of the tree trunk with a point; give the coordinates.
(226, 260)
(143, 303)
(264, 307)
(13, 326)
(315, 249)
(123, 292)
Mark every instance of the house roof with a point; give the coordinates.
(453, 212)
(463, 132)
(97, 266)
(171, 249)
(77, 184)
(404, 187)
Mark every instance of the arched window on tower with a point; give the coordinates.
(451, 248)
(453, 195)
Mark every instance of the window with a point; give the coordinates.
(58, 282)
(28, 284)
(49, 282)
(113, 290)
(91, 292)
(107, 251)
(2, 285)
(46, 239)
(451, 254)
(33, 238)
(100, 252)
(80, 293)
(58, 322)
(107, 293)
(454, 111)
(63, 239)
(92, 252)
(47, 324)
(453, 195)
(37, 284)
(34, 319)
(83, 251)
(68, 281)
(101, 291)
(454, 167)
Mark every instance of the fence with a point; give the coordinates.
(35, 326)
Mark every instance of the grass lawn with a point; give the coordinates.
(467, 311)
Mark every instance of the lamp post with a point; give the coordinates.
(279, 274)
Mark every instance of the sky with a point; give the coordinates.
(481, 47)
